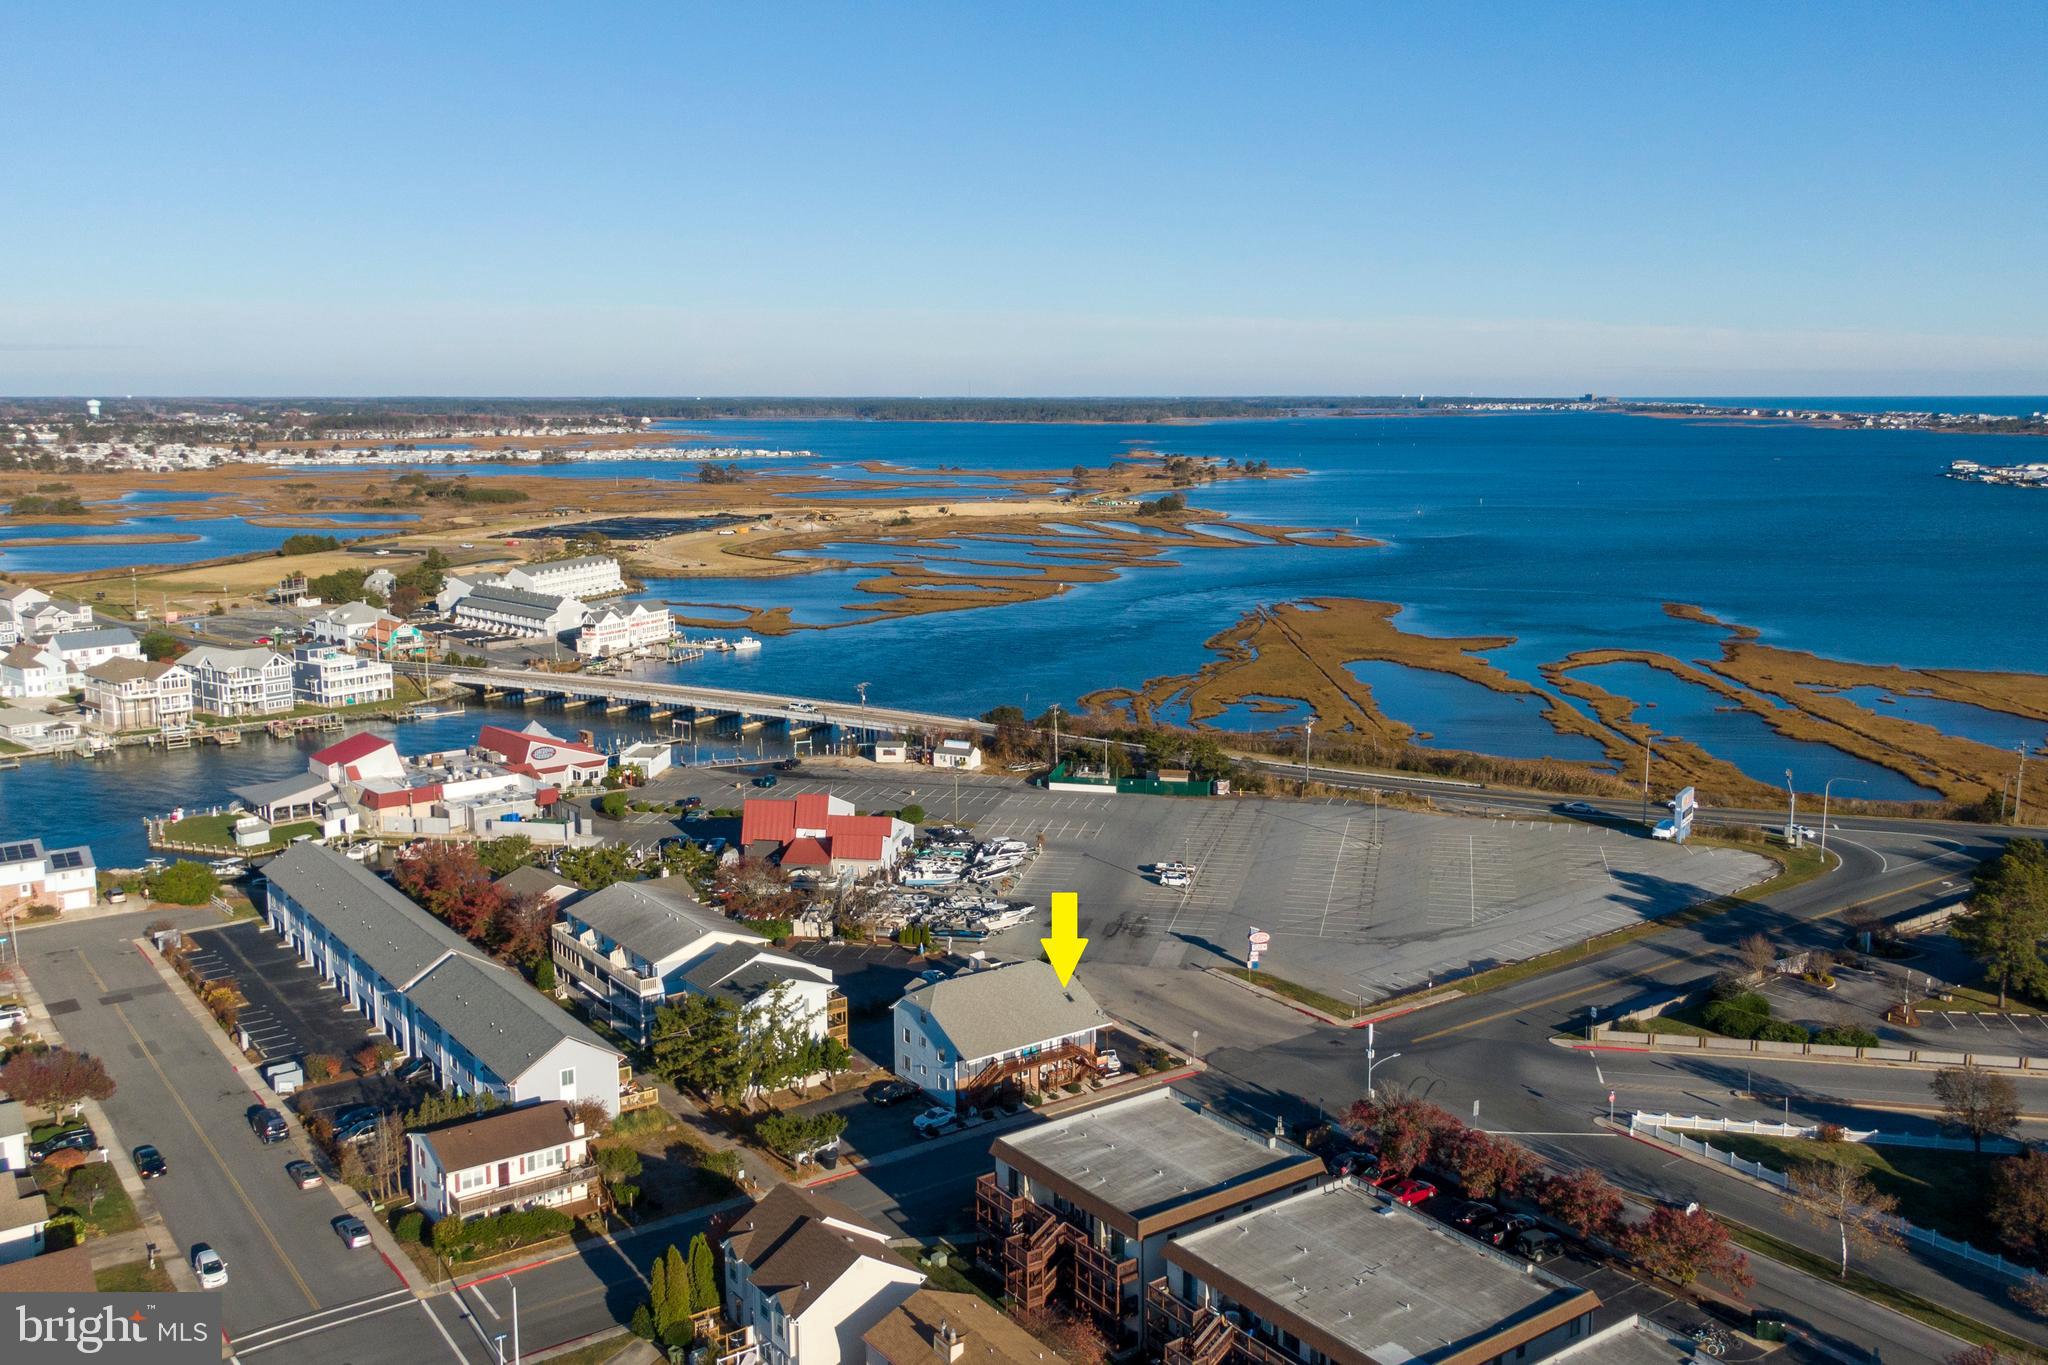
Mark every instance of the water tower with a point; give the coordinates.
(92, 408)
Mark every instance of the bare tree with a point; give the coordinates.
(1837, 1193)
(1981, 1103)
(1757, 953)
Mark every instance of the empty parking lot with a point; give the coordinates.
(291, 1013)
(1359, 901)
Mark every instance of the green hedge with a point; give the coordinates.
(459, 1240)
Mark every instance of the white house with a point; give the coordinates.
(34, 729)
(505, 610)
(239, 682)
(31, 875)
(329, 675)
(137, 694)
(957, 753)
(81, 649)
(536, 1156)
(32, 670)
(649, 758)
(996, 1028)
(382, 582)
(13, 1136)
(429, 992)
(31, 614)
(583, 577)
(358, 758)
(455, 587)
(346, 624)
(623, 630)
(629, 949)
(806, 1278)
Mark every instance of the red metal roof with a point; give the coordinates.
(535, 753)
(356, 746)
(405, 796)
(813, 810)
(805, 853)
(767, 818)
(859, 848)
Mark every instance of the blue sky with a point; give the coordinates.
(906, 199)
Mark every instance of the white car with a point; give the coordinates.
(1579, 808)
(802, 706)
(1665, 829)
(1176, 880)
(11, 1015)
(209, 1267)
(935, 1121)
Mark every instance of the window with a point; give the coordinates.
(569, 1080)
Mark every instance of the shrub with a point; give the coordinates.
(184, 883)
(612, 805)
(1844, 1035)
(322, 1067)
(1779, 1031)
(458, 1240)
(544, 974)
(912, 814)
(1727, 1016)
(791, 1135)
(411, 1226)
(65, 1159)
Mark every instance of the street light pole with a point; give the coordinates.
(1791, 811)
(2019, 788)
(862, 688)
(515, 1322)
(1055, 734)
(1649, 745)
(1824, 790)
(1308, 741)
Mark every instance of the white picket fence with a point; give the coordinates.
(1913, 1234)
(1757, 1128)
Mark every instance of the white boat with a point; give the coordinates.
(744, 644)
(1001, 915)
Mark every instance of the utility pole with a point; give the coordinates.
(862, 688)
(2019, 788)
(1649, 743)
(1308, 740)
(1791, 811)
(1055, 734)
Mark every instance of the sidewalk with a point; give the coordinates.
(121, 1247)
(381, 1235)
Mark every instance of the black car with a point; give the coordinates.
(1474, 1217)
(1509, 1228)
(1538, 1246)
(149, 1162)
(268, 1124)
(79, 1139)
(692, 802)
(882, 1094)
(788, 765)
(350, 1115)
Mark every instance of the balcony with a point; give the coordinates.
(1203, 1336)
(492, 1198)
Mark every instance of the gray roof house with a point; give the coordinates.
(432, 993)
(997, 1027)
(631, 947)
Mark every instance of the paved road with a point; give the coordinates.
(176, 1090)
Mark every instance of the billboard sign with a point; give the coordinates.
(1684, 806)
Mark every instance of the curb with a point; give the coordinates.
(1579, 1045)
(1401, 1005)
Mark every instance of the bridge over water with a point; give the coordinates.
(705, 703)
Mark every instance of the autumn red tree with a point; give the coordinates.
(1402, 1128)
(455, 887)
(2019, 1202)
(519, 931)
(1484, 1164)
(1583, 1201)
(55, 1078)
(1683, 1244)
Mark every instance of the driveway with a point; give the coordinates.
(872, 977)
(174, 1088)
(291, 1012)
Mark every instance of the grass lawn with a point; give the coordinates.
(596, 1352)
(114, 1212)
(1294, 990)
(218, 831)
(958, 1275)
(1982, 998)
(1936, 1189)
(672, 1176)
(132, 1277)
(1912, 1305)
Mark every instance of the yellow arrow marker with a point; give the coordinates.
(1065, 947)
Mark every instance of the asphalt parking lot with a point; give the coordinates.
(291, 1012)
(1360, 902)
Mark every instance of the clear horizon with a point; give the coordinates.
(1159, 199)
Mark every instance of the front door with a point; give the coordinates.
(504, 1173)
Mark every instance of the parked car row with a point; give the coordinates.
(1519, 1233)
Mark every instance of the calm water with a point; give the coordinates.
(1457, 713)
(1952, 717)
(1672, 706)
(216, 537)
(1565, 531)
(41, 799)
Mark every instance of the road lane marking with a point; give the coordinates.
(243, 1346)
(1708, 951)
(179, 1100)
(443, 1331)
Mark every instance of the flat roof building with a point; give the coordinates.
(1342, 1275)
(1122, 1180)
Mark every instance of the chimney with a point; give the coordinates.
(951, 1344)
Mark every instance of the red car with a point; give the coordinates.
(263, 639)
(1412, 1192)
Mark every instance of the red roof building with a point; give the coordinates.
(817, 829)
(537, 753)
(358, 757)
